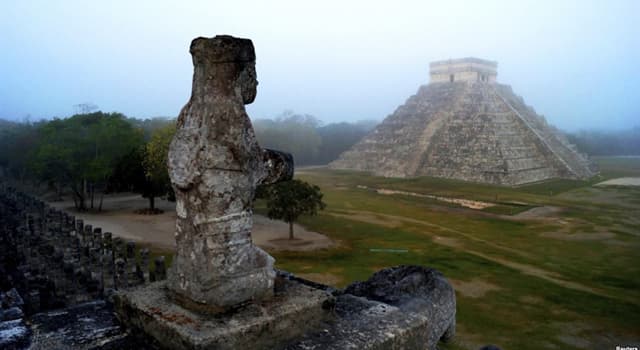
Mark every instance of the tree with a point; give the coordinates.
(150, 125)
(339, 137)
(81, 151)
(18, 141)
(307, 139)
(128, 173)
(144, 170)
(288, 200)
(155, 164)
(607, 142)
(111, 136)
(293, 133)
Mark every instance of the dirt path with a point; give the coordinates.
(118, 217)
(467, 203)
(476, 288)
(621, 181)
(544, 212)
(393, 221)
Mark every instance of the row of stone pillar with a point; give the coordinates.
(62, 261)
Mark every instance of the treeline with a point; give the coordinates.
(90, 154)
(310, 142)
(607, 143)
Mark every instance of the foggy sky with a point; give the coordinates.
(575, 62)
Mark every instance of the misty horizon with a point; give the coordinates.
(574, 62)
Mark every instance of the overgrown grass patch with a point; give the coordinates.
(500, 313)
(555, 186)
(508, 208)
(590, 242)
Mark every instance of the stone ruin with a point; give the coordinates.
(59, 273)
(215, 165)
(465, 69)
(465, 126)
(222, 292)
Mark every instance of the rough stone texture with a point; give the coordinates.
(48, 259)
(402, 284)
(14, 334)
(472, 131)
(215, 164)
(294, 309)
(90, 325)
(11, 299)
(9, 314)
(405, 307)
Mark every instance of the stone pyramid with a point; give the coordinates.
(463, 125)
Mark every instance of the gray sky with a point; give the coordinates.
(576, 62)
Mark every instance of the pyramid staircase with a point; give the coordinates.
(472, 131)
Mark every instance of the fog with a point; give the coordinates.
(575, 62)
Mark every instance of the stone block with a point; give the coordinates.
(15, 334)
(11, 298)
(90, 325)
(404, 307)
(295, 309)
(13, 313)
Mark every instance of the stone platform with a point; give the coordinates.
(404, 307)
(366, 324)
(295, 309)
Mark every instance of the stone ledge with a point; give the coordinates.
(88, 326)
(295, 309)
(403, 307)
(371, 325)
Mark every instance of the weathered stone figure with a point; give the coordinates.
(215, 164)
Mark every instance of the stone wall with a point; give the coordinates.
(465, 69)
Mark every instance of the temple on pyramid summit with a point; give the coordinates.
(464, 125)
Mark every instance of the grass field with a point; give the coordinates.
(564, 275)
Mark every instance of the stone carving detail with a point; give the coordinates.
(215, 164)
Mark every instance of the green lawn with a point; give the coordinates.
(566, 280)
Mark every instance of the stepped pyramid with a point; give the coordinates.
(463, 125)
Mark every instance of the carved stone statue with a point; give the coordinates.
(215, 164)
